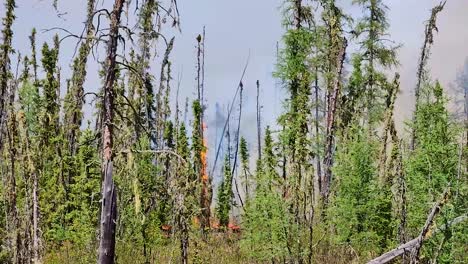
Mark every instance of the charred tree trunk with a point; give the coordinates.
(236, 152)
(109, 192)
(205, 193)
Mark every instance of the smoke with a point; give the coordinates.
(407, 20)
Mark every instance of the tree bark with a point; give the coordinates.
(331, 121)
(109, 192)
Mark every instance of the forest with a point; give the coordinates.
(123, 173)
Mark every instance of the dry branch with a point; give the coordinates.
(414, 246)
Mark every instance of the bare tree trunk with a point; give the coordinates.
(35, 217)
(259, 121)
(236, 152)
(184, 242)
(109, 192)
(318, 174)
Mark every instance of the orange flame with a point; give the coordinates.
(204, 220)
(204, 155)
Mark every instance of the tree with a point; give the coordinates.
(335, 55)
(266, 216)
(422, 77)
(433, 165)
(375, 53)
(293, 70)
(244, 156)
(5, 51)
(109, 192)
(356, 199)
(225, 194)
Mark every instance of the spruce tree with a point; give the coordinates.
(430, 168)
(266, 216)
(376, 52)
(225, 195)
(293, 70)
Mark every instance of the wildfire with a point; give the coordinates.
(203, 155)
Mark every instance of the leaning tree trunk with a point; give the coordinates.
(331, 121)
(109, 192)
(414, 246)
(425, 52)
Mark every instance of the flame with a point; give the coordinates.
(203, 155)
(205, 201)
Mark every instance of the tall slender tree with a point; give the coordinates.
(376, 52)
(109, 192)
(5, 51)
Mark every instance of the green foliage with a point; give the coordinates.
(83, 206)
(376, 52)
(30, 104)
(225, 194)
(142, 208)
(266, 216)
(381, 191)
(361, 211)
(431, 168)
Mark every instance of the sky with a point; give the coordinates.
(235, 29)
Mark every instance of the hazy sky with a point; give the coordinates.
(235, 28)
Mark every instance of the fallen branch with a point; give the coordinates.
(415, 245)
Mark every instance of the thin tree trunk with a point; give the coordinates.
(259, 125)
(234, 165)
(318, 174)
(35, 217)
(109, 192)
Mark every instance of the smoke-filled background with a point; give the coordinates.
(235, 29)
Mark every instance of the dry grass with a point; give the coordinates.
(219, 248)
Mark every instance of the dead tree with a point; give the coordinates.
(259, 122)
(236, 152)
(425, 52)
(109, 192)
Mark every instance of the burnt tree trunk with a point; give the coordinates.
(109, 192)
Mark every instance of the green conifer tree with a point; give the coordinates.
(266, 215)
